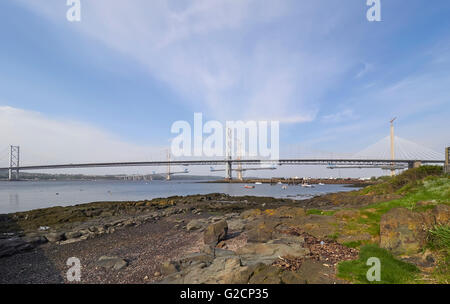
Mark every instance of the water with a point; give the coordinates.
(28, 195)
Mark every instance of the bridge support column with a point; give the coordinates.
(447, 161)
(14, 160)
(229, 171)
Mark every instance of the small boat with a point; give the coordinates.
(284, 187)
(249, 187)
(258, 183)
(280, 183)
(306, 185)
(321, 184)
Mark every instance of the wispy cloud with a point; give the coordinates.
(208, 52)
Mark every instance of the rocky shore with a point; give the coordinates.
(214, 238)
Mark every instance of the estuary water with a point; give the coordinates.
(28, 195)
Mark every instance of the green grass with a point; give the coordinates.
(319, 212)
(439, 237)
(393, 271)
(434, 190)
(405, 182)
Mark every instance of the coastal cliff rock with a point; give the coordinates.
(404, 232)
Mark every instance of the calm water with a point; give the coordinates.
(23, 196)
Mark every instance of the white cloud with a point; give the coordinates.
(45, 140)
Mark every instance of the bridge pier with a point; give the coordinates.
(229, 171)
(414, 164)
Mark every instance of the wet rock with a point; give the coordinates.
(35, 240)
(13, 246)
(112, 262)
(215, 232)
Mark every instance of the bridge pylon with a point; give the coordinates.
(14, 162)
(447, 161)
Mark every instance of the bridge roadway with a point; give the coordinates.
(281, 162)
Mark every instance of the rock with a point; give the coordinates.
(289, 212)
(403, 231)
(267, 253)
(194, 225)
(195, 258)
(251, 213)
(266, 274)
(441, 214)
(54, 237)
(170, 267)
(35, 239)
(346, 214)
(112, 262)
(261, 231)
(215, 232)
(72, 235)
(13, 246)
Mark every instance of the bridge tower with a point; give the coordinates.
(392, 145)
(14, 162)
(168, 165)
(447, 161)
(229, 169)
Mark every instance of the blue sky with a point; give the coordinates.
(130, 69)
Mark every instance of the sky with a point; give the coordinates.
(110, 87)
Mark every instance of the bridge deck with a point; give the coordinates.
(281, 162)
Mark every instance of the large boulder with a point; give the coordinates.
(403, 231)
(215, 232)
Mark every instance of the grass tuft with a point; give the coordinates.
(393, 271)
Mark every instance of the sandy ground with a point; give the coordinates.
(145, 247)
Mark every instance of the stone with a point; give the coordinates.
(13, 246)
(215, 232)
(267, 253)
(403, 231)
(194, 225)
(251, 213)
(195, 258)
(112, 262)
(170, 267)
(72, 235)
(441, 214)
(261, 231)
(54, 237)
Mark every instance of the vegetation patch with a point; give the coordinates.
(319, 212)
(393, 271)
